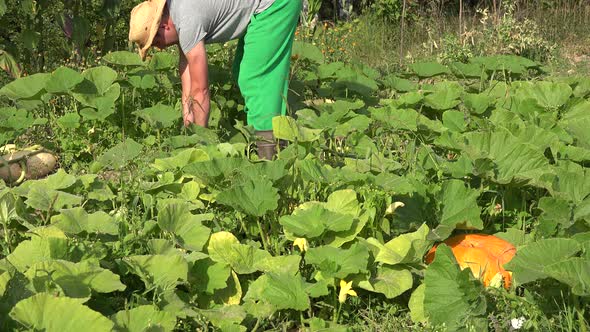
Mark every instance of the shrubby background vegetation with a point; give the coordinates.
(41, 35)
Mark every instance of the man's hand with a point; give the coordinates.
(187, 115)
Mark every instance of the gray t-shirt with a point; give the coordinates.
(215, 21)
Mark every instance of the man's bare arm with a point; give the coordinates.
(185, 79)
(199, 84)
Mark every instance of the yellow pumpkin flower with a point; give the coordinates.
(391, 208)
(301, 243)
(496, 281)
(345, 290)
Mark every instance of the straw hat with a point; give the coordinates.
(144, 23)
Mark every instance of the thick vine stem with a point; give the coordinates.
(23, 172)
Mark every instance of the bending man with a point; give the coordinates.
(265, 29)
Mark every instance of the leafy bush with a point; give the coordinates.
(388, 9)
(42, 34)
(507, 35)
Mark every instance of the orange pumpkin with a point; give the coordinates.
(484, 254)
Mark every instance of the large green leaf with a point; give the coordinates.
(163, 61)
(272, 170)
(576, 122)
(5, 277)
(313, 219)
(279, 264)
(429, 69)
(283, 291)
(232, 294)
(159, 115)
(399, 119)
(46, 312)
(327, 70)
(477, 103)
(58, 181)
(123, 58)
(571, 184)
(212, 172)
(224, 247)
(38, 249)
(353, 80)
(338, 262)
(343, 201)
(208, 276)
(517, 237)
(508, 63)
(454, 120)
(513, 159)
(391, 281)
(416, 305)
(188, 229)
(307, 220)
(337, 239)
(255, 198)
(62, 80)
(143, 79)
(450, 297)
(122, 153)
(98, 89)
(358, 123)
(445, 96)
(547, 94)
(161, 271)
(42, 198)
(530, 261)
(400, 84)
(468, 70)
(459, 208)
(77, 220)
(180, 159)
(285, 127)
(409, 99)
(75, 279)
(556, 211)
(102, 102)
(15, 119)
(144, 318)
(307, 51)
(539, 137)
(102, 78)
(226, 318)
(582, 210)
(570, 152)
(25, 87)
(575, 272)
(69, 121)
(406, 248)
(90, 114)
